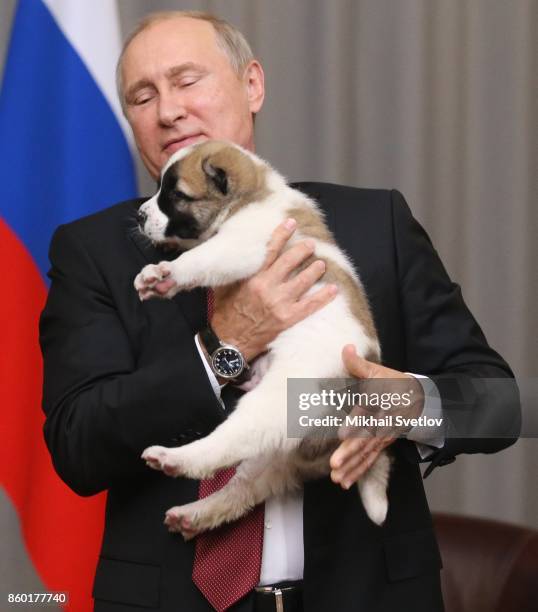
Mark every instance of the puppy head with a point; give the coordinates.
(201, 186)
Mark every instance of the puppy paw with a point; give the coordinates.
(151, 275)
(156, 280)
(162, 458)
(184, 520)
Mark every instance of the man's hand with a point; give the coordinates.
(358, 451)
(250, 314)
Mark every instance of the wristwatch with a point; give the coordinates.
(225, 360)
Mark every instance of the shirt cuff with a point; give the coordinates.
(431, 437)
(210, 374)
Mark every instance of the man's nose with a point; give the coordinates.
(171, 108)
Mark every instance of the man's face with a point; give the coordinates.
(180, 88)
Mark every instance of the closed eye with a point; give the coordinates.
(189, 83)
(141, 101)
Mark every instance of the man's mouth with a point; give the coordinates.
(173, 145)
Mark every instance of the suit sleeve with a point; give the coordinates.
(480, 401)
(105, 401)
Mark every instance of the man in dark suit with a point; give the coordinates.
(121, 375)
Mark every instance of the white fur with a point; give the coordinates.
(157, 221)
(254, 435)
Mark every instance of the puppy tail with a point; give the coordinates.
(373, 489)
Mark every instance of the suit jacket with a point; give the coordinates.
(121, 375)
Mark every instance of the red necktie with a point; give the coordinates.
(227, 560)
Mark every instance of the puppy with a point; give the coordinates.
(222, 203)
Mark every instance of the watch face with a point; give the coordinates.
(228, 362)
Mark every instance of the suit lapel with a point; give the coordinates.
(192, 303)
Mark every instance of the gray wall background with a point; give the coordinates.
(439, 99)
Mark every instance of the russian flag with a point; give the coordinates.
(64, 153)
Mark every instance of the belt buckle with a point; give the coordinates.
(277, 592)
(279, 601)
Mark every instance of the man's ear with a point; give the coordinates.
(216, 175)
(255, 86)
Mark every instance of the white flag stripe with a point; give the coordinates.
(93, 30)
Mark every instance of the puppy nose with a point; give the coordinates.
(141, 216)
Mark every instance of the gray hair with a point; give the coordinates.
(229, 39)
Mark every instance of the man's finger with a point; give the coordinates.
(358, 472)
(355, 365)
(355, 467)
(278, 240)
(352, 462)
(302, 282)
(346, 450)
(311, 303)
(290, 260)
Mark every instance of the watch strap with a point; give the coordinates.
(244, 375)
(210, 339)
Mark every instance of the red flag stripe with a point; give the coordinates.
(62, 531)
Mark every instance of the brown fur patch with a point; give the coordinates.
(202, 175)
(355, 295)
(310, 223)
(311, 457)
(246, 179)
(311, 448)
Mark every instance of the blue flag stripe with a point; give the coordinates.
(63, 152)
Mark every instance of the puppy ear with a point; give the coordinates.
(217, 176)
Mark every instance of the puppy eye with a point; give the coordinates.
(180, 195)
